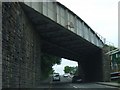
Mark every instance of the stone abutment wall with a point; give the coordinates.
(96, 67)
(21, 49)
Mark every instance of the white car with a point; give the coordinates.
(66, 75)
(56, 77)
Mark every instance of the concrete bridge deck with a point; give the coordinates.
(59, 39)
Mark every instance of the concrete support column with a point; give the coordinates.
(106, 64)
(90, 68)
(80, 71)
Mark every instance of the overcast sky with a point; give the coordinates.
(100, 15)
(65, 62)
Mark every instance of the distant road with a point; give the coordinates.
(66, 83)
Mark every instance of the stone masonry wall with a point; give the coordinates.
(21, 49)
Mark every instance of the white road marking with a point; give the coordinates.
(75, 87)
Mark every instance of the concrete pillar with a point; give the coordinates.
(81, 71)
(105, 64)
(90, 68)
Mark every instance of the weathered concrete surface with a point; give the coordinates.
(105, 64)
(58, 40)
(21, 48)
(91, 67)
(96, 67)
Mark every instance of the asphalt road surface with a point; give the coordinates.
(66, 84)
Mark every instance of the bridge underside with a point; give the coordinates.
(58, 40)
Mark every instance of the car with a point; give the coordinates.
(66, 75)
(76, 79)
(115, 75)
(56, 77)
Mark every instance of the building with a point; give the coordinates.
(115, 60)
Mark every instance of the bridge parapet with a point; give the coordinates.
(65, 17)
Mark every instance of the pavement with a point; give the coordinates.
(110, 84)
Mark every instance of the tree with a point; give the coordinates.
(68, 69)
(47, 61)
(110, 47)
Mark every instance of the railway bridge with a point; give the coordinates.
(32, 28)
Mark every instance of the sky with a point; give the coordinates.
(100, 15)
(65, 62)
